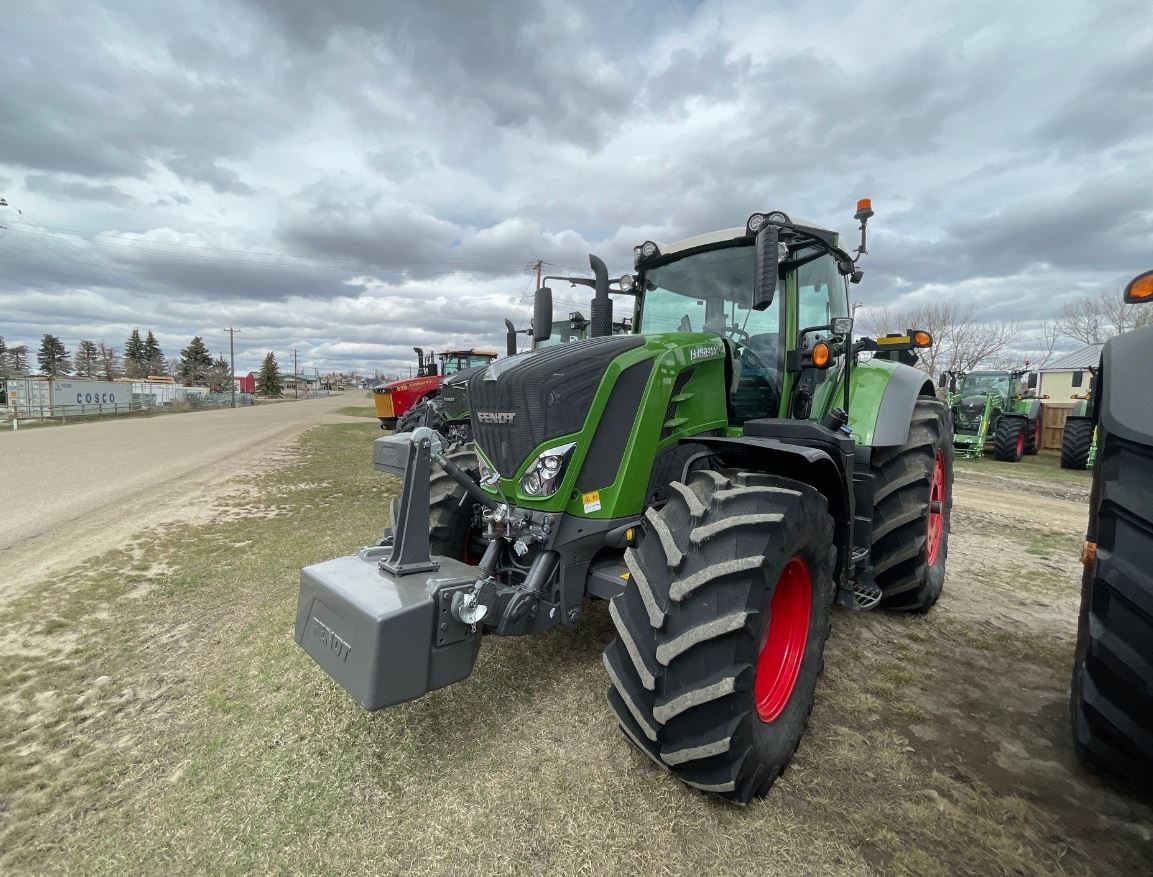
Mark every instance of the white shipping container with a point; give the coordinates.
(154, 392)
(71, 397)
(29, 397)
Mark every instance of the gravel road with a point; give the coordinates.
(69, 492)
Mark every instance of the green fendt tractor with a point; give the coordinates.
(1079, 439)
(1112, 692)
(722, 477)
(995, 405)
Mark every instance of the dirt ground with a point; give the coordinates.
(156, 717)
(78, 490)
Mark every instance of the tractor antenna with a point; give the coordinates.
(864, 211)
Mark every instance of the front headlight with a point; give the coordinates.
(543, 477)
(488, 475)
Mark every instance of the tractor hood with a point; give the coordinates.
(454, 392)
(520, 402)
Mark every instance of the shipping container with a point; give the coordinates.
(152, 394)
(29, 397)
(72, 397)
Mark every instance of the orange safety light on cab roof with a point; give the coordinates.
(1140, 289)
(865, 204)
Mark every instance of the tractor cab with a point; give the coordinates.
(453, 361)
(996, 407)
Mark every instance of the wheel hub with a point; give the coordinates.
(780, 660)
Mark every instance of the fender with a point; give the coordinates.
(882, 397)
(1126, 364)
(803, 451)
(1031, 408)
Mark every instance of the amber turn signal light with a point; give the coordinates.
(1140, 289)
(821, 354)
(922, 338)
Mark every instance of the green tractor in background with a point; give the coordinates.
(1079, 440)
(997, 406)
(1111, 701)
(723, 477)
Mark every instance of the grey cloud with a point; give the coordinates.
(201, 170)
(47, 184)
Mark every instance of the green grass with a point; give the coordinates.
(358, 411)
(1044, 466)
(157, 717)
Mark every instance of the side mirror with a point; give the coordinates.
(1139, 291)
(510, 338)
(542, 314)
(1032, 380)
(1078, 378)
(765, 266)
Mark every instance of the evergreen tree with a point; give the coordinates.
(195, 362)
(134, 362)
(53, 357)
(268, 381)
(220, 376)
(87, 360)
(153, 356)
(109, 362)
(17, 361)
(3, 358)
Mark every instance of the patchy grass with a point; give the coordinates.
(156, 717)
(1046, 466)
(357, 411)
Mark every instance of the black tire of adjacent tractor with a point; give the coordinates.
(1009, 439)
(1033, 437)
(412, 418)
(1111, 701)
(1076, 442)
(450, 514)
(906, 526)
(693, 622)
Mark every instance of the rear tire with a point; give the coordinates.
(910, 539)
(721, 631)
(412, 418)
(1076, 442)
(1009, 439)
(1111, 702)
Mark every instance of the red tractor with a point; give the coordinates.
(395, 398)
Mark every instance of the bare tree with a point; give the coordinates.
(1096, 319)
(961, 340)
(110, 367)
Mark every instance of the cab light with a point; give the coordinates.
(922, 338)
(1140, 289)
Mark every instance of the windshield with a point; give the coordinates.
(458, 362)
(710, 292)
(564, 331)
(983, 383)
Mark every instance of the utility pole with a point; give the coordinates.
(295, 376)
(536, 266)
(232, 359)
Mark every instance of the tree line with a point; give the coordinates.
(140, 358)
(962, 342)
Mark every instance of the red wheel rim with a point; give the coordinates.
(780, 660)
(1037, 434)
(469, 556)
(936, 506)
(1020, 443)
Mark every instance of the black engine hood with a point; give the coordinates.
(521, 401)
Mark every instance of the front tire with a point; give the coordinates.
(1076, 442)
(1009, 439)
(912, 506)
(722, 628)
(451, 529)
(1111, 701)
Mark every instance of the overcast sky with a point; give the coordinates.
(355, 177)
